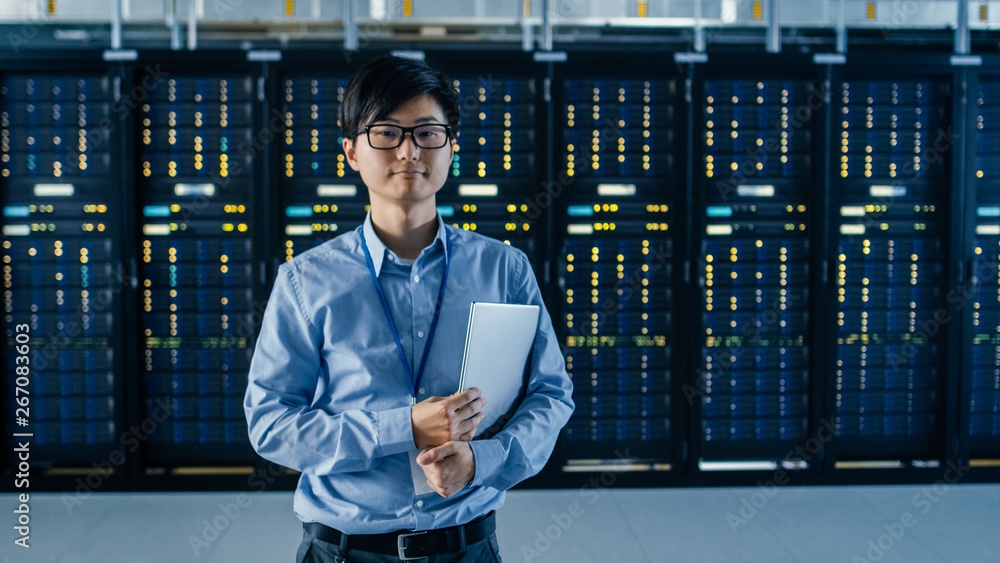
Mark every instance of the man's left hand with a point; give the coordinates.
(449, 467)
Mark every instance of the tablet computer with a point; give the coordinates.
(497, 346)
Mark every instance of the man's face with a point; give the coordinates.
(406, 175)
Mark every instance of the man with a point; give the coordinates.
(360, 351)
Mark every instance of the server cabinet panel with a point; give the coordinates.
(984, 402)
(889, 201)
(62, 264)
(616, 269)
(754, 267)
(195, 159)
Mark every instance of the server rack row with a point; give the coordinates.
(755, 262)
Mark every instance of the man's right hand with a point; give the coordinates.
(439, 420)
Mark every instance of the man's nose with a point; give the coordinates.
(408, 146)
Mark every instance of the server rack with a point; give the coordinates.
(952, 391)
(981, 396)
(196, 164)
(890, 205)
(617, 229)
(63, 276)
(496, 171)
(491, 182)
(322, 196)
(756, 231)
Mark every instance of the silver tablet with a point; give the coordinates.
(497, 346)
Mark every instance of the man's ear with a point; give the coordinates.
(351, 153)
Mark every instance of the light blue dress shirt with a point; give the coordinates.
(328, 395)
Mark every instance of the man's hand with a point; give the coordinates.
(438, 420)
(448, 468)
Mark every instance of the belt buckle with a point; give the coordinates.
(401, 546)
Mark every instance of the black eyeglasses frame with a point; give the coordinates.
(405, 130)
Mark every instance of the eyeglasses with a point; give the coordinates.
(429, 136)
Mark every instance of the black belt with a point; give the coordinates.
(411, 545)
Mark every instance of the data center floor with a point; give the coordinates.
(787, 524)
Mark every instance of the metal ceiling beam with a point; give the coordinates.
(773, 27)
(841, 27)
(116, 24)
(546, 26)
(192, 35)
(962, 29)
(350, 26)
(699, 29)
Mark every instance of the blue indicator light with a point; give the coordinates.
(719, 211)
(988, 211)
(156, 211)
(446, 210)
(580, 211)
(299, 211)
(16, 211)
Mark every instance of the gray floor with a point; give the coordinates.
(789, 524)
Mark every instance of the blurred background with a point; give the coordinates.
(768, 234)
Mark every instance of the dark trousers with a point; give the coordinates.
(312, 550)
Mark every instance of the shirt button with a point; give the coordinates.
(420, 334)
(416, 279)
(420, 503)
(422, 390)
(391, 257)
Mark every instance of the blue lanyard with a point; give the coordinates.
(414, 383)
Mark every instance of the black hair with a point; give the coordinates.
(383, 85)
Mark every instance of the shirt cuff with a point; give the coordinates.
(395, 431)
(489, 458)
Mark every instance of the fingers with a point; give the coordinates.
(467, 402)
(468, 427)
(434, 455)
(437, 420)
(428, 456)
(470, 409)
(448, 468)
(465, 397)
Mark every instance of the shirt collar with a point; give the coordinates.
(378, 250)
